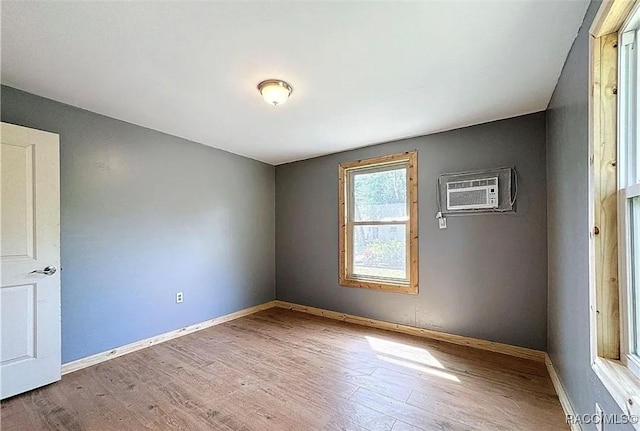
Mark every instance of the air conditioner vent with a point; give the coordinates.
(468, 198)
(472, 194)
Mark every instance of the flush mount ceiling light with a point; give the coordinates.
(274, 91)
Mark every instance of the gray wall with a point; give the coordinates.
(568, 229)
(484, 276)
(145, 215)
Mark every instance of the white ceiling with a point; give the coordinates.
(362, 73)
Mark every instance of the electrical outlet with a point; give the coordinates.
(179, 297)
(598, 421)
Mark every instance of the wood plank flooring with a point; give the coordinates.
(282, 370)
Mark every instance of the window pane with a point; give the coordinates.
(380, 251)
(634, 261)
(380, 195)
(633, 121)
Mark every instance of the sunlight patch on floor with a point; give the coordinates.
(404, 351)
(404, 355)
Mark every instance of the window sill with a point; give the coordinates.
(621, 383)
(377, 285)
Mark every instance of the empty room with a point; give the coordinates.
(331, 216)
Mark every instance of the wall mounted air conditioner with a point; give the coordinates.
(472, 194)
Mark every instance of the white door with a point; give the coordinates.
(30, 241)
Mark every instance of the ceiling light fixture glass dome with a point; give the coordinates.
(275, 91)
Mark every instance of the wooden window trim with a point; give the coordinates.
(603, 148)
(344, 241)
(610, 17)
(609, 314)
(604, 191)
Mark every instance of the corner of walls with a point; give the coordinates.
(145, 215)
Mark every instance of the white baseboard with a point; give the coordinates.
(562, 395)
(70, 367)
(507, 349)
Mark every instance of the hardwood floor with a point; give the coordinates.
(282, 370)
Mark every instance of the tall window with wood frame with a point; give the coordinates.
(629, 189)
(615, 180)
(378, 213)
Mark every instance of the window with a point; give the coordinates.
(378, 213)
(629, 192)
(615, 209)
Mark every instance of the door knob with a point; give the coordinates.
(49, 270)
